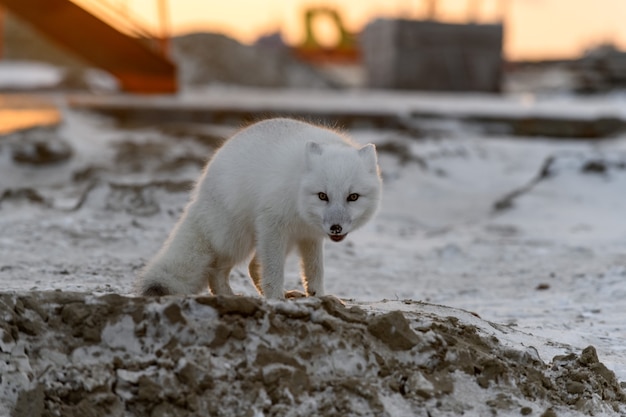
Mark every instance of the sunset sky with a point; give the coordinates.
(534, 28)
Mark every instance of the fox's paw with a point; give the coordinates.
(292, 294)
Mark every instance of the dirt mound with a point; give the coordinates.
(74, 354)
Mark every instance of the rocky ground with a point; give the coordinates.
(75, 354)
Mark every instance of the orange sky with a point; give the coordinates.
(534, 29)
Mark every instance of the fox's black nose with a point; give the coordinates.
(335, 229)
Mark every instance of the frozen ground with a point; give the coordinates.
(546, 266)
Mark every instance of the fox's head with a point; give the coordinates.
(341, 187)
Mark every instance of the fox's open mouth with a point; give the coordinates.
(337, 238)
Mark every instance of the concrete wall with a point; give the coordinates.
(424, 55)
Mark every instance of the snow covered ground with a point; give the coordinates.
(550, 266)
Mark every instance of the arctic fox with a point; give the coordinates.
(277, 185)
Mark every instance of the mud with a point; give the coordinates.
(74, 354)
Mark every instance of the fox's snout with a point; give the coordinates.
(336, 229)
(337, 221)
(336, 234)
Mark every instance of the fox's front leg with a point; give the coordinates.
(271, 252)
(254, 269)
(312, 266)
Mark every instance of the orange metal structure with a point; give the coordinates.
(138, 67)
(346, 50)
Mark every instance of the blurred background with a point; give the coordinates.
(536, 29)
(539, 46)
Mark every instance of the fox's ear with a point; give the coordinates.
(368, 154)
(313, 150)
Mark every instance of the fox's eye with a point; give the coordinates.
(353, 197)
(323, 196)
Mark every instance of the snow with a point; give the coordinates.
(377, 102)
(549, 273)
(27, 74)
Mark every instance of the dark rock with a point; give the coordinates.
(266, 356)
(574, 387)
(167, 410)
(173, 313)
(243, 306)
(30, 403)
(594, 167)
(336, 308)
(589, 356)
(490, 370)
(148, 390)
(393, 330)
(549, 413)
(40, 147)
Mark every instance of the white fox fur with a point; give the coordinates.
(274, 186)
